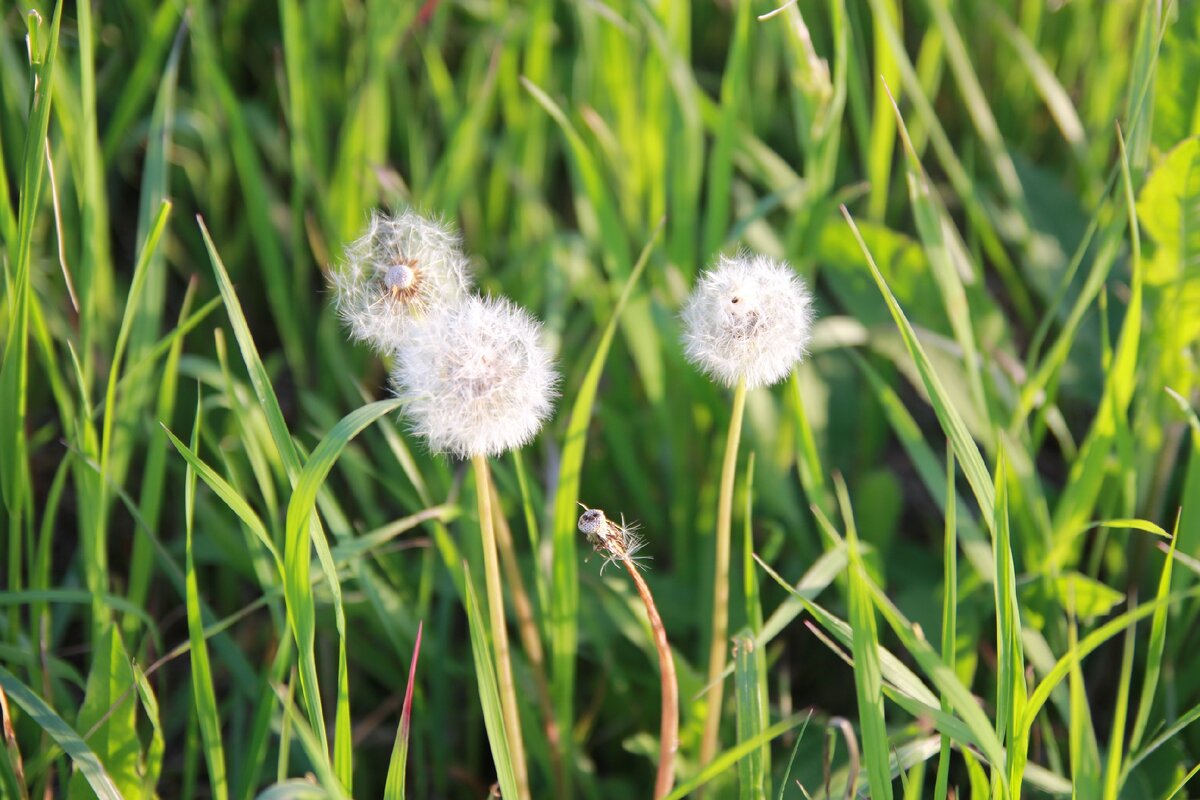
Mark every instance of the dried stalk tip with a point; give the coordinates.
(615, 542)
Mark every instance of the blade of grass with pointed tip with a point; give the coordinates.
(152, 763)
(296, 559)
(394, 786)
(202, 684)
(228, 495)
(286, 449)
(956, 430)
(942, 245)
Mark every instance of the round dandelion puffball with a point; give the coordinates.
(401, 269)
(475, 378)
(748, 317)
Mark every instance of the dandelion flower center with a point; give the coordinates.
(399, 270)
(399, 278)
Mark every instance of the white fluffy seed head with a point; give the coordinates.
(748, 317)
(400, 270)
(475, 378)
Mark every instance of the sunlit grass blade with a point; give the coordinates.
(398, 766)
(202, 683)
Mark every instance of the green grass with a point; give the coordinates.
(968, 522)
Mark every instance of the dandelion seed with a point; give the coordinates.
(750, 318)
(400, 270)
(475, 378)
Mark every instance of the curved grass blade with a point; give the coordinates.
(735, 754)
(63, 734)
(965, 448)
(300, 533)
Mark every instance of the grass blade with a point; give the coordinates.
(64, 735)
(397, 768)
(202, 683)
(489, 694)
(956, 430)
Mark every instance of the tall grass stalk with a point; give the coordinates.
(495, 595)
(720, 612)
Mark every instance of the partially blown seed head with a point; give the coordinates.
(748, 317)
(616, 542)
(475, 378)
(399, 270)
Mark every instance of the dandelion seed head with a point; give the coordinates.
(616, 542)
(402, 268)
(475, 378)
(748, 317)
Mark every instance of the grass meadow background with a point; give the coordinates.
(982, 488)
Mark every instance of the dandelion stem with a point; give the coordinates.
(491, 568)
(720, 612)
(668, 735)
(530, 640)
